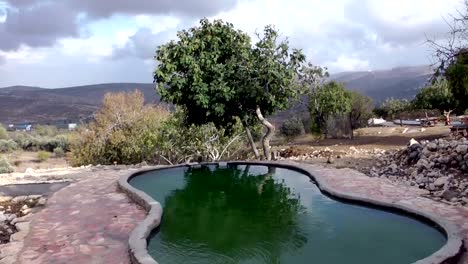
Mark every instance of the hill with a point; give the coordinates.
(35, 104)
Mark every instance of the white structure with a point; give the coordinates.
(72, 126)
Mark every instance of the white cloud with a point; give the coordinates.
(346, 63)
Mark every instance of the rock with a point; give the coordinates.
(4, 199)
(19, 199)
(3, 217)
(441, 181)
(449, 194)
(431, 187)
(421, 179)
(41, 202)
(29, 171)
(24, 207)
(462, 149)
(413, 142)
(432, 146)
(26, 211)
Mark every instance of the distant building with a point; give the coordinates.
(20, 127)
(72, 126)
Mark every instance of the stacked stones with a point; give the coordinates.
(439, 166)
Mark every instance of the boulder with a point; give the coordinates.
(440, 182)
(432, 146)
(461, 149)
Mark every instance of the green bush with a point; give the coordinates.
(59, 152)
(31, 142)
(7, 145)
(3, 132)
(5, 166)
(292, 128)
(45, 130)
(43, 156)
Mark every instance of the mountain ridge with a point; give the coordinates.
(22, 103)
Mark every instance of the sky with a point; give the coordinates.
(60, 43)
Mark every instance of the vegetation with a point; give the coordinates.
(5, 166)
(3, 132)
(392, 108)
(43, 156)
(179, 142)
(328, 100)
(7, 145)
(215, 73)
(59, 152)
(125, 131)
(361, 110)
(34, 142)
(292, 128)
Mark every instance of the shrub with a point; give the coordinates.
(59, 152)
(32, 142)
(3, 132)
(292, 128)
(45, 130)
(180, 143)
(7, 145)
(125, 131)
(43, 156)
(5, 166)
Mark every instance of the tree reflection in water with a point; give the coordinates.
(228, 210)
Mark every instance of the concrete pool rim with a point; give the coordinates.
(449, 253)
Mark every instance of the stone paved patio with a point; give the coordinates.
(348, 180)
(86, 222)
(90, 221)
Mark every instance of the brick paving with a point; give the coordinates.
(86, 222)
(90, 221)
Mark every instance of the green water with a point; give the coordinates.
(258, 214)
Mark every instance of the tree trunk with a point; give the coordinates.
(447, 117)
(269, 134)
(251, 142)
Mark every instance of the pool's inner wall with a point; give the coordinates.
(448, 254)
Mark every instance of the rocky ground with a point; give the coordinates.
(439, 166)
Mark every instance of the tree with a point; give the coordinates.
(327, 100)
(217, 76)
(361, 109)
(392, 108)
(125, 131)
(436, 96)
(452, 58)
(457, 76)
(3, 132)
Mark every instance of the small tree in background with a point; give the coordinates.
(328, 100)
(124, 131)
(393, 108)
(436, 96)
(292, 127)
(361, 110)
(216, 74)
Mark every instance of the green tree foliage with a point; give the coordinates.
(361, 109)
(392, 108)
(329, 99)
(3, 132)
(436, 96)
(457, 76)
(218, 76)
(125, 131)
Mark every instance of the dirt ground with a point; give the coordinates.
(22, 160)
(359, 153)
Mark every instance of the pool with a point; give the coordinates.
(253, 214)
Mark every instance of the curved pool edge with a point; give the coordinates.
(448, 254)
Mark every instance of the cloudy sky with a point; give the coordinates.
(57, 43)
